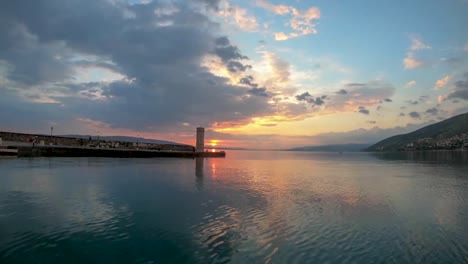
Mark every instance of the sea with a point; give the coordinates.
(250, 207)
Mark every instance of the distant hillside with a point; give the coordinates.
(449, 134)
(337, 147)
(125, 139)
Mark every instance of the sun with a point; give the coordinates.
(214, 142)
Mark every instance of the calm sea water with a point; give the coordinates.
(251, 207)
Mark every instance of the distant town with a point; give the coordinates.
(457, 142)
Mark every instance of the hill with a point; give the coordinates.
(449, 134)
(337, 147)
(126, 139)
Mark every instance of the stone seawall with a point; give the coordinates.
(90, 142)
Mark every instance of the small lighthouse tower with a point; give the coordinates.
(200, 139)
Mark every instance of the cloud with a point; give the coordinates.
(309, 99)
(423, 98)
(372, 122)
(300, 21)
(214, 4)
(228, 53)
(363, 110)
(303, 97)
(342, 91)
(440, 99)
(460, 90)
(249, 81)
(410, 84)
(360, 94)
(45, 44)
(417, 44)
(415, 115)
(239, 17)
(442, 82)
(432, 111)
(410, 61)
(361, 135)
(465, 48)
(277, 9)
(388, 100)
(259, 92)
(279, 70)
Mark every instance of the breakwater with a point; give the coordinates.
(60, 151)
(38, 139)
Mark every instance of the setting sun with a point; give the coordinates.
(214, 142)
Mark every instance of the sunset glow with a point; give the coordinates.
(253, 73)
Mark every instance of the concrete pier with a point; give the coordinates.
(19, 144)
(60, 151)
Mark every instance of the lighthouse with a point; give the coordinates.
(200, 147)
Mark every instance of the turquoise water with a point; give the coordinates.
(251, 207)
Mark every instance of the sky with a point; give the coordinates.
(258, 74)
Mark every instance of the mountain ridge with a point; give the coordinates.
(126, 139)
(332, 147)
(449, 134)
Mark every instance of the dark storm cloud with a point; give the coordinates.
(235, 66)
(342, 91)
(259, 92)
(303, 96)
(412, 102)
(356, 85)
(432, 111)
(248, 80)
(43, 41)
(32, 62)
(388, 100)
(222, 41)
(214, 4)
(461, 89)
(363, 110)
(319, 101)
(230, 55)
(415, 115)
(310, 99)
(423, 98)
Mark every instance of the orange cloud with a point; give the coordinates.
(239, 17)
(277, 9)
(442, 82)
(300, 23)
(410, 62)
